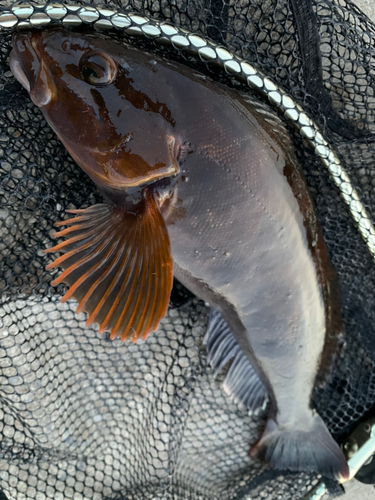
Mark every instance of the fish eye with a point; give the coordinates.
(97, 68)
(65, 45)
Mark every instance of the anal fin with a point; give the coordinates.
(118, 265)
(242, 382)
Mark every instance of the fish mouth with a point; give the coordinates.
(18, 71)
(29, 69)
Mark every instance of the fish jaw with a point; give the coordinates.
(30, 70)
(116, 152)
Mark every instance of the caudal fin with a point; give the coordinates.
(312, 449)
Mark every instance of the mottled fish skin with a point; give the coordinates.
(242, 229)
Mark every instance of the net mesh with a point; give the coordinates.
(83, 417)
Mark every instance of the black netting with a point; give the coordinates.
(83, 417)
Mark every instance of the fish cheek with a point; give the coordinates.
(73, 116)
(106, 137)
(68, 116)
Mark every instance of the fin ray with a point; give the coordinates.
(100, 279)
(97, 225)
(89, 250)
(157, 265)
(146, 298)
(118, 265)
(74, 251)
(73, 220)
(143, 303)
(71, 241)
(93, 255)
(310, 449)
(124, 293)
(128, 259)
(133, 297)
(242, 382)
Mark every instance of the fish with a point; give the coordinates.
(200, 182)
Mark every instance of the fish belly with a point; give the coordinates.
(242, 246)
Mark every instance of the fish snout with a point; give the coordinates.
(30, 69)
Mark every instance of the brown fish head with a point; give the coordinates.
(85, 87)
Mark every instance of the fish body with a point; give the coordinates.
(204, 176)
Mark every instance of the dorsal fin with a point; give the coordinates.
(241, 383)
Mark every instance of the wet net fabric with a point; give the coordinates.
(83, 417)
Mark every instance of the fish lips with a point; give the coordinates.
(30, 70)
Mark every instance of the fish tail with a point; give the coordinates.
(312, 449)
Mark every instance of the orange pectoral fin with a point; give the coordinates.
(118, 265)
